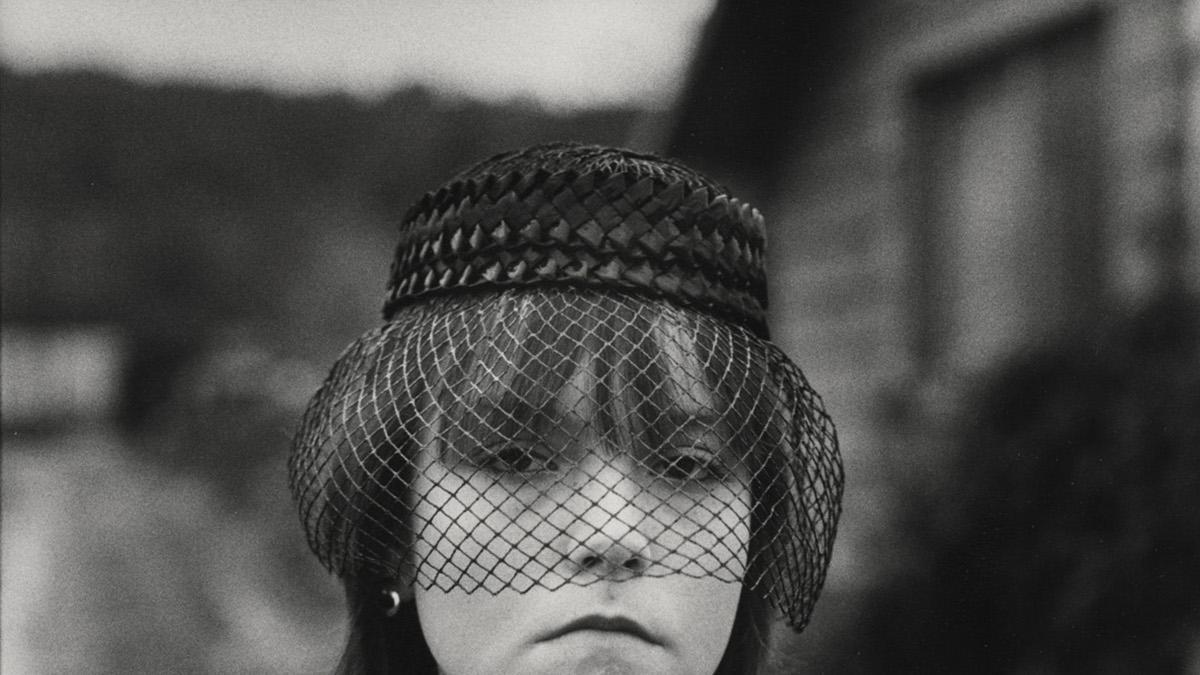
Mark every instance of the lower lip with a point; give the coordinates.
(603, 636)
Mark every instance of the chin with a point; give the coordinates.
(602, 655)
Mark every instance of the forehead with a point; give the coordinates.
(615, 367)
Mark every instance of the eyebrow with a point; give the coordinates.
(683, 417)
(504, 408)
(509, 412)
(521, 404)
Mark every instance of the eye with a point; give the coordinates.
(690, 464)
(516, 459)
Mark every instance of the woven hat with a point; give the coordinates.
(587, 216)
(574, 342)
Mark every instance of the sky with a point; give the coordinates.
(563, 53)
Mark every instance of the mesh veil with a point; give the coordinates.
(484, 436)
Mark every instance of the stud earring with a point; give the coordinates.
(390, 602)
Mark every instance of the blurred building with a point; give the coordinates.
(946, 185)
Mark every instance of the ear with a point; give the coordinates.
(376, 643)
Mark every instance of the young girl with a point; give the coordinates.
(571, 446)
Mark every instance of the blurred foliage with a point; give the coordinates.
(174, 210)
(114, 564)
(236, 240)
(1064, 535)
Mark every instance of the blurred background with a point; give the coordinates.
(985, 251)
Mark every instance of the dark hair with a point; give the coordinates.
(382, 645)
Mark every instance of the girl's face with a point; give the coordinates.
(573, 545)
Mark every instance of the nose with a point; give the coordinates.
(610, 539)
(617, 557)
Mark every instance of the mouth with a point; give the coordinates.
(618, 624)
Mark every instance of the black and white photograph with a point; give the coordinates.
(686, 337)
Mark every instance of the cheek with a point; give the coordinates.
(482, 633)
(706, 608)
(709, 536)
(461, 629)
(478, 535)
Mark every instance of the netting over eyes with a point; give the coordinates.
(573, 388)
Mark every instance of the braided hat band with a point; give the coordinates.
(504, 418)
(597, 222)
